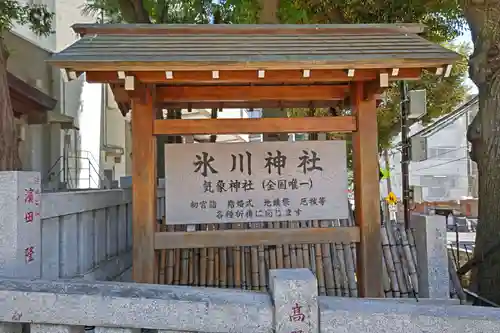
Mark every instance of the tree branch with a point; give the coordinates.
(133, 11)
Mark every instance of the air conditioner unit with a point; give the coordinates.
(418, 151)
(112, 150)
(418, 104)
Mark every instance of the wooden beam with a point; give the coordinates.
(248, 126)
(248, 105)
(254, 237)
(143, 189)
(366, 195)
(334, 63)
(250, 76)
(250, 93)
(244, 29)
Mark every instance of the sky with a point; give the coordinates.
(466, 37)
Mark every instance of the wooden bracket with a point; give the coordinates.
(141, 92)
(372, 88)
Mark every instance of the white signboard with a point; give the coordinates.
(251, 182)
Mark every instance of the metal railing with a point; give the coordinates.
(80, 171)
(464, 259)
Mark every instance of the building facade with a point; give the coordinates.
(83, 142)
(441, 169)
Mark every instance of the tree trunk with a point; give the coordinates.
(269, 11)
(484, 135)
(9, 155)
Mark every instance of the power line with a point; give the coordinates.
(435, 157)
(436, 165)
(447, 152)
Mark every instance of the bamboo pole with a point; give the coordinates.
(389, 263)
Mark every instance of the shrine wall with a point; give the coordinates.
(64, 235)
(86, 234)
(291, 306)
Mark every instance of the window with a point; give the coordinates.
(439, 181)
(436, 193)
(443, 153)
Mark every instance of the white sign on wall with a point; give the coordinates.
(251, 182)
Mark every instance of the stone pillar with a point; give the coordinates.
(295, 296)
(432, 255)
(20, 227)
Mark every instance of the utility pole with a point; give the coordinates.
(405, 152)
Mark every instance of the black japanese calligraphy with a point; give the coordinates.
(313, 201)
(293, 184)
(269, 185)
(207, 186)
(247, 185)
(220, 186)
(203, 164)
(234, 185)
(240, 160)
(204, 204)
(277, 162)
(308, 163)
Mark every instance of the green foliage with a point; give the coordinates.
(443, 19)
(444, 22)
(159, 11)
(443, 96)
(37, 17)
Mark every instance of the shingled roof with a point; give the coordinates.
(142, 47)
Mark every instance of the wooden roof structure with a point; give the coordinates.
(186, 58)
(252, 66)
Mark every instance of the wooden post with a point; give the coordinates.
(366, 192)
(143, 188)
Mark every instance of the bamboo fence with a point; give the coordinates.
(247, 267)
